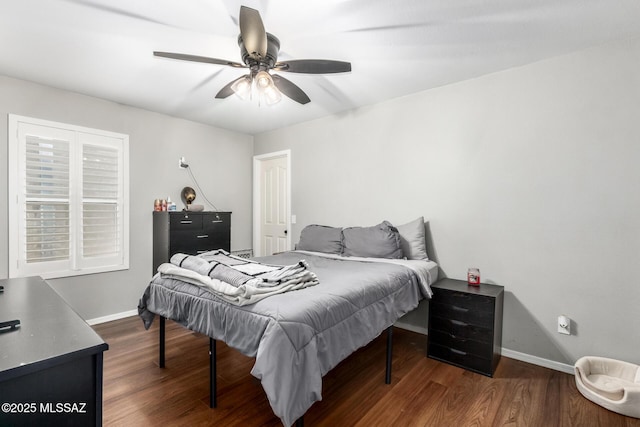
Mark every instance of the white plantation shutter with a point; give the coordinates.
(101, 222)
(69, 199)
(46, 206)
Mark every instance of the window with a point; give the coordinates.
(68, 199)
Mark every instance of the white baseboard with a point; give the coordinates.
(535, 360)
(111, 317)
(523, 357)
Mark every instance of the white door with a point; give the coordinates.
(273, 206)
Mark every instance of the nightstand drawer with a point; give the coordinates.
(465, 300)
(461, 330)
(460, 358)
(465, 345)
(463, 314)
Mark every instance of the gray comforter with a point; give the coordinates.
(297, 337)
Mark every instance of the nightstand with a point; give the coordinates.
(465, 325)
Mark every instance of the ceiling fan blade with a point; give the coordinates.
(254, 36)
(289, 89)
(226, 91)
(119, 11)
(313, 66)
(195, 58)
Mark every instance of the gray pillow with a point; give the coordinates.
(379, 241)
(412, 239)
(321, 238)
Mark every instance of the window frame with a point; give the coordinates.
(76, 264)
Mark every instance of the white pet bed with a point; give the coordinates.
(610, 383)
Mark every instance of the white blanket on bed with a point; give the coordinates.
(236, 280)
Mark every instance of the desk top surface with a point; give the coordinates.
(50, 331)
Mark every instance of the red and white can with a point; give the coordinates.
(473, 276)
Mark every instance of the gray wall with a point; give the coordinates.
(530, 174)
(220, 160)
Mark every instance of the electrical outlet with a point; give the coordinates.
(564, 325)
(182, 163)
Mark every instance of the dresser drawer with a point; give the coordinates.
(460, 329)
(215, 220)
(467, 314)
(218, 225)
(190, 242)
(460, 358)
(185, 221)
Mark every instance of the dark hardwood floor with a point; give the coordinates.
(423, 392)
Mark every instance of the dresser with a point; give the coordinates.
(190, 233)
(51, 363)
(465, 325)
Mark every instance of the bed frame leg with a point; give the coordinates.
(161, 344)
(387, 378)
(213, 385)
(300, 422)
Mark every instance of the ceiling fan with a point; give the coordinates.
(259, 51)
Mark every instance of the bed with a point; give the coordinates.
(297, 337)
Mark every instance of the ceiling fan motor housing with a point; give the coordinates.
(273, 47)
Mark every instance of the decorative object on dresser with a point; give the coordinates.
(188, 196)
(465, 325)
(190, 233)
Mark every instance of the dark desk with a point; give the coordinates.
(50, 365)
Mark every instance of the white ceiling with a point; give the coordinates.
(103, 48)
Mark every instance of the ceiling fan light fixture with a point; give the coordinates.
(272, 95)
(242, 88)
(263, 80)
(266, 88)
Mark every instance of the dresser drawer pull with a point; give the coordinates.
(186, 222)
(215, 221)
(458, 323)
(202, 236)
(456, 308)
(462, 353)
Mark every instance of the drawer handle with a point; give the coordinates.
(457, 339)
(456, 308)
(458, 323)
(462, 353)
(186, 222)
(461, 295)
(202, 236)
(216, 221)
